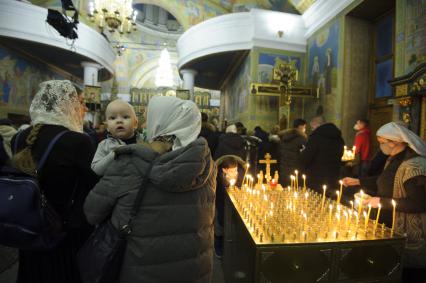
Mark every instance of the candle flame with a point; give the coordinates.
(232, 182)
(393, 202)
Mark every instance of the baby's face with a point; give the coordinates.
(121, 122)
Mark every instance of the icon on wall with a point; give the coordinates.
(92, 94)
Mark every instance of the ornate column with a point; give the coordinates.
(188, 76)
(91, 73)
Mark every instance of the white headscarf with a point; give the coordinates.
(231, 129)
(395, 132)
(168, 115)
(57, 103)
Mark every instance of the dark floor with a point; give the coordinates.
(9, 267)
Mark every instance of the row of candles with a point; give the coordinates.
(274, 214)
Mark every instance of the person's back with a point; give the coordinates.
(321, 158)
(172, 233)
(65, 178)
(292, 142)
(230, 143)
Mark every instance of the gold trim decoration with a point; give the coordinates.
(401, 90)
(422, 129)
(405, 102)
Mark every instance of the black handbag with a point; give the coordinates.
(101, 257)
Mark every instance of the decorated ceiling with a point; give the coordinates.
(192, 12)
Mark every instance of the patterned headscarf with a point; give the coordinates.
(57, 103)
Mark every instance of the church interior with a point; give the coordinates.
(262, 63)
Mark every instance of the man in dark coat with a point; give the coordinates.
(293, 141)
(208, 132)
(230, 143)
(322, 155)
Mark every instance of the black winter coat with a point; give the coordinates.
(321, 158)
(292, 142)
(209, 133)
(230, 143)
(172, 234)
(66, 172)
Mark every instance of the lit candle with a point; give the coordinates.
(304, 181)
(324, 188)
(341, 191)
(368, 216)
(365, 220)
(377, 218)
(357, 220)
(393, 216)
(297, 179)
(245, 173)
(330, 207)
(352, 204)
(231, 183)
(338, 197)
(291, 181)
(360, 201)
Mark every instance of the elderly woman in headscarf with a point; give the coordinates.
(172, 234)
(403, 180)
(65, 178)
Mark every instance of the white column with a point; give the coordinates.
(91, 73)
(162, 18)
(149, 14)
(188, 80)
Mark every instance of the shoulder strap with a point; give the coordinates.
(137, 203)
(15, 144)
(49, 149)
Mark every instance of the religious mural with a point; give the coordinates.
(237, 93)
(323, 49)
(410, 35)
(19, 80)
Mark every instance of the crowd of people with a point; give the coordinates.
(187, 163)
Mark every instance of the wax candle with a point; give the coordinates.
(330, 207)
(393, 216)
(377, 218)
(341, 191)
(368, 216)
(304, 181)
(297, 179)
(361, 192)
(365, 220)
(324, 188)
(245, 173)
(337, 197)
(352, 205)
(232, 183)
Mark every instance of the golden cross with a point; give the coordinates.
(268, 161)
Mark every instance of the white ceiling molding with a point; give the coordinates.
(321, 12)
(242, 31)
(28, 22)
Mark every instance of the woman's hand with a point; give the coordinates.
(350, 182)
(373, 201)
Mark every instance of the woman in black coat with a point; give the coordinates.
(66, 178)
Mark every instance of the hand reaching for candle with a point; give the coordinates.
(373, 201)
(350, 182)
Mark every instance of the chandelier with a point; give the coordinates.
(164, 75)
(114, 15)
